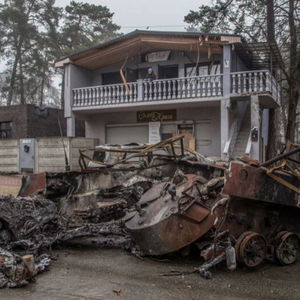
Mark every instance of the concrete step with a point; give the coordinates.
(239, 150)
(241, 141)
(240, 144)
(238, 154)
(244, 133)
(242, 150)
(242, 137)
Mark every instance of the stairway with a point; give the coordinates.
(243, 135)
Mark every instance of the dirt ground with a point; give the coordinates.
(94, 274)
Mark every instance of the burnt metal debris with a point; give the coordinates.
(155, 200)
(17, 271)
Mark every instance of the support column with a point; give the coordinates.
(68, 101)
(226, 70)
(75, 77)
(155, 69)
(140, 90)
(181, 70)
(255, 128)
(225, 103)
(224, 122)
(71, 126)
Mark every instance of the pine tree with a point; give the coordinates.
(35, 33)
(86, 25)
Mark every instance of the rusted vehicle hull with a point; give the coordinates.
(174, 214)
(263, 214)
(255, 216)
(171, 233)
(251, 182)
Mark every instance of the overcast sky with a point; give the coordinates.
(138, 14)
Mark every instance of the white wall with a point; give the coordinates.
(209, 117)
(9, 156)
(49, 154)
(75, 77)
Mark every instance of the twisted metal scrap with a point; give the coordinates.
(35, 224)
(14, 272)
(26, 217)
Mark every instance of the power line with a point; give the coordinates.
(153, 26)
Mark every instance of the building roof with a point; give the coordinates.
(260, 55)
(255, 55)
(139, 41)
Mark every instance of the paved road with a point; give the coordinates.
(95, 274)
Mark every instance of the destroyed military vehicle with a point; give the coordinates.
(159, 199)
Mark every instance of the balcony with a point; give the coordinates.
(174, 90)
(253, 82)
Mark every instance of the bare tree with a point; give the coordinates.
(261, 20)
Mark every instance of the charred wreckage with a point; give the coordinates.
(155, 200)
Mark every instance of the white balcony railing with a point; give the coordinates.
(148, 91)
(248, 82)
(104, 95)
(183, 88)
(197, 87)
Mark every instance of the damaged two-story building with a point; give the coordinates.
(215, 88)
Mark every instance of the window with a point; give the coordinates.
(5, 130)
(203, 69)
(111, 78)
(142, 73)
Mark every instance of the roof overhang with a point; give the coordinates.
(260, 55)
(139, 42)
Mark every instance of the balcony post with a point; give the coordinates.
(226, 70)
(71, 125)
(224, 123)
(225, 103)
(140, 90)
(68, 100)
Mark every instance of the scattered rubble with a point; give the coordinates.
(155, 200)
(17, 271)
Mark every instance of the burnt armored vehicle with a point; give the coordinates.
(247, 216)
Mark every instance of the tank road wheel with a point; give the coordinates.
(287, 247)
(251, 249)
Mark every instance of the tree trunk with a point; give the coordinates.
(293, 95)
(22, 92)
(12, 81)
(293, 101)
(270, 21)
(271, 147)
(42, 90)
(14, 73)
